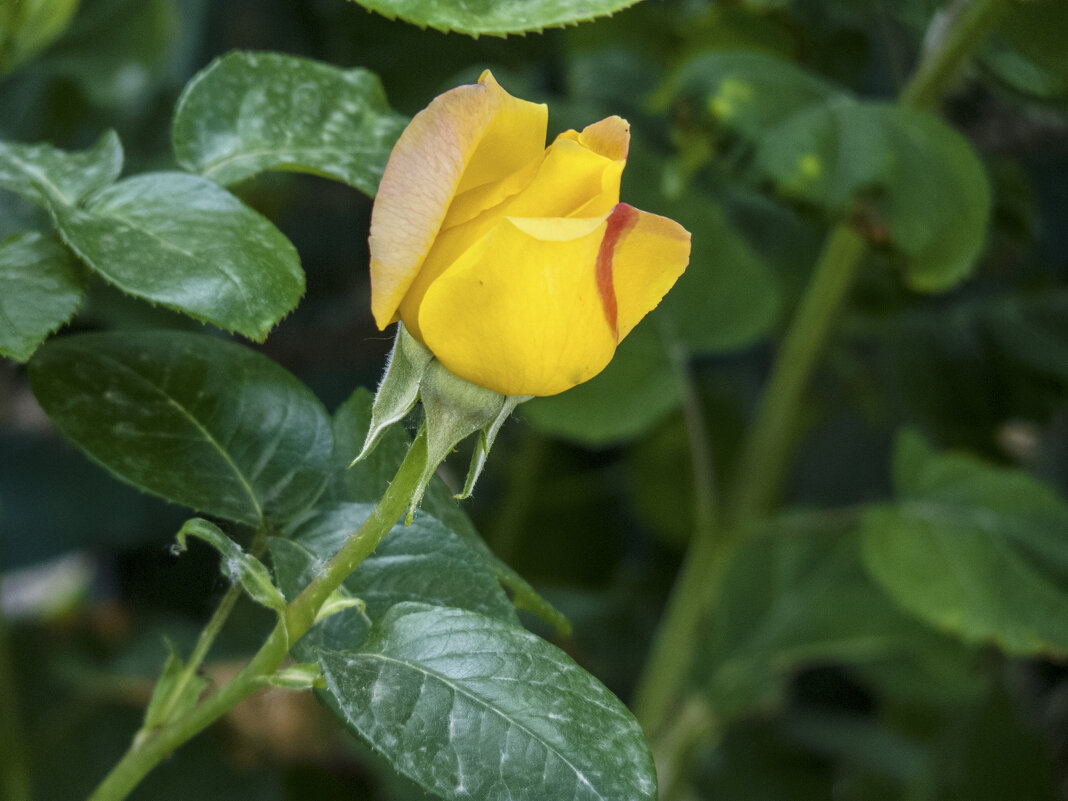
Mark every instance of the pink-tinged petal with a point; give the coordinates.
(465, 138)
(514, 138)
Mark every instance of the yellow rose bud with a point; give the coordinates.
(515, 264)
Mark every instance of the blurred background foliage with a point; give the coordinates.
(838, 660)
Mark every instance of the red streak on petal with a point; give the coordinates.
(621, 219)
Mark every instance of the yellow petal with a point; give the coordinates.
(566, 176)
(572, 180)
(465, 138)
(572, 177)
(514, 137)
(640, 259)
(610, 138)
(520, 313)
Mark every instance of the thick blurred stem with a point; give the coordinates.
(760, 466)
(703, 560)
(14, 763)
(767, 449)
(954, 35)
(150, 748)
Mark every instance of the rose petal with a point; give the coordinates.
(571, 181)
(649, 256)
(572, 178)
(533, 321)
(610, 138)
(465, 138)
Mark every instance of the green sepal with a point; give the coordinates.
(240, 567)
(161, 709)
(338, 601)
(454, 409)
(399, 389)
(302, 676)
(485, 442)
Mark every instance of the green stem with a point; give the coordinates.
(766, 452)
(706, 557)
(671, 655)
(14, 763)
(763, 457)
(951, 39)
(150, 748)
(767, 449)
(210, 632)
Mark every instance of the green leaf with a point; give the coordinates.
(294, 568)
(745, 91)
(365, 482)
(43, 287)
(495, 17)
(424, 561)
(473, 708)
(974, 550)
(157, 715)
(636, 391)
(796, 595)
(47, 175)
(1027, 50)
(28, 26)
(182, 241)
(250, 112)
(238, 566)
(901, 175)
(197, 420)
(367, 479)
(728, 297)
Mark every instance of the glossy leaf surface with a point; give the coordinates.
(423, 562)
(473, 708)
(182, 241)
(250, 112)
(198, 421)
(43, 285)
(45, 174)
(495, 17)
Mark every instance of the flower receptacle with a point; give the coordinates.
(453, 409)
